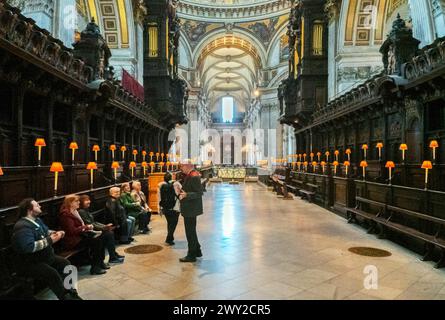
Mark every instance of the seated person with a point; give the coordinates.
(115, 215)
(139, 197)
(133, 209)
(107, 229)
(32, 242)
(77, 234)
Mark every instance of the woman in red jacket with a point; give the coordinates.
(80, 235)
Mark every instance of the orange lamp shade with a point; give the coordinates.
(311, 154)
(427, 165)
(348, 151)
(92, 166)
(40, 142)
(115, 165)
(168, 163)
(113, 147)
(318, 153)
(365, 147)
(346, 163)
(56, 167)
(162, 154)
(314, 163)
(151, 154)
(132, 164)
(144, 164)
(135, 152)
(304, 154)
(123, 148)
(434, 144)
(403, 146)
(390, 164)
(73, 146)
(305, 163)
(323, 163)
(1, 171)
(96, 148)
(144, 153)
(336, 152)
(379, 145)
(152, 164)
(335, 163)
(157, 154)
(363, 164)
(327, 153)
(161, 164)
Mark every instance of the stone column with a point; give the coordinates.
(423, 25)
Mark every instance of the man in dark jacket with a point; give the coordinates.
(33, 242)
(191, 207)
(115, 214)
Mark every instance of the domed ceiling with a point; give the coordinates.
(226, 2)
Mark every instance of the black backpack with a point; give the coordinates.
(168, 196)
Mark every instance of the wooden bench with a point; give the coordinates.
(386, 218)
(432, 240)
(309, 194)
(351, 213)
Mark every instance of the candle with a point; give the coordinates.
(403, 147)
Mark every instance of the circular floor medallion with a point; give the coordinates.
(370, 252)
(143, 249)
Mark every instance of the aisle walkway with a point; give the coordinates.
(257, 246)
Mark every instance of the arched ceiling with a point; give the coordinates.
(228, 70)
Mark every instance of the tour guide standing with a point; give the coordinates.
(191, 207)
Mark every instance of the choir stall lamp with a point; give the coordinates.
(161, 165)
(427, 165)
(123, 149)
(157, 156)
(40, 143)
(162, 157)
(299, 165)
(365, 149)
(56, 167)
(305, 165)
(144, 154)
(347, 164)
(1, 171)
(312, 156)
(336, 153)
(379, 146)
(390, 165)
(152, 166)
(364, 164)
(323, 166)
(112, 149)
(144, 165)
(168, 165)
(304, 157)
(73, 147)
(135, 153)
(403, 147)
(433, 145)
(348, 153)
(335, 163)
(327, 153)
(92, 166)
(151, 156)
(314, 166)
(115, 165)
(96, 148)
(132, 166)
(318, 155)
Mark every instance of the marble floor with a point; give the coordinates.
(257, 246)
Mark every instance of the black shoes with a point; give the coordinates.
(116, 260)
(97, 270)
(187, 259)
(71, 295)
(199, 254)
(105, 266)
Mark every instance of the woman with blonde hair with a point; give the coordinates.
(79, 235)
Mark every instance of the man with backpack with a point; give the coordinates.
(168, 192)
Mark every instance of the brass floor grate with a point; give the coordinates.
(370, 252)
(143, 249)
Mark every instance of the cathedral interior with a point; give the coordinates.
(317, 128)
